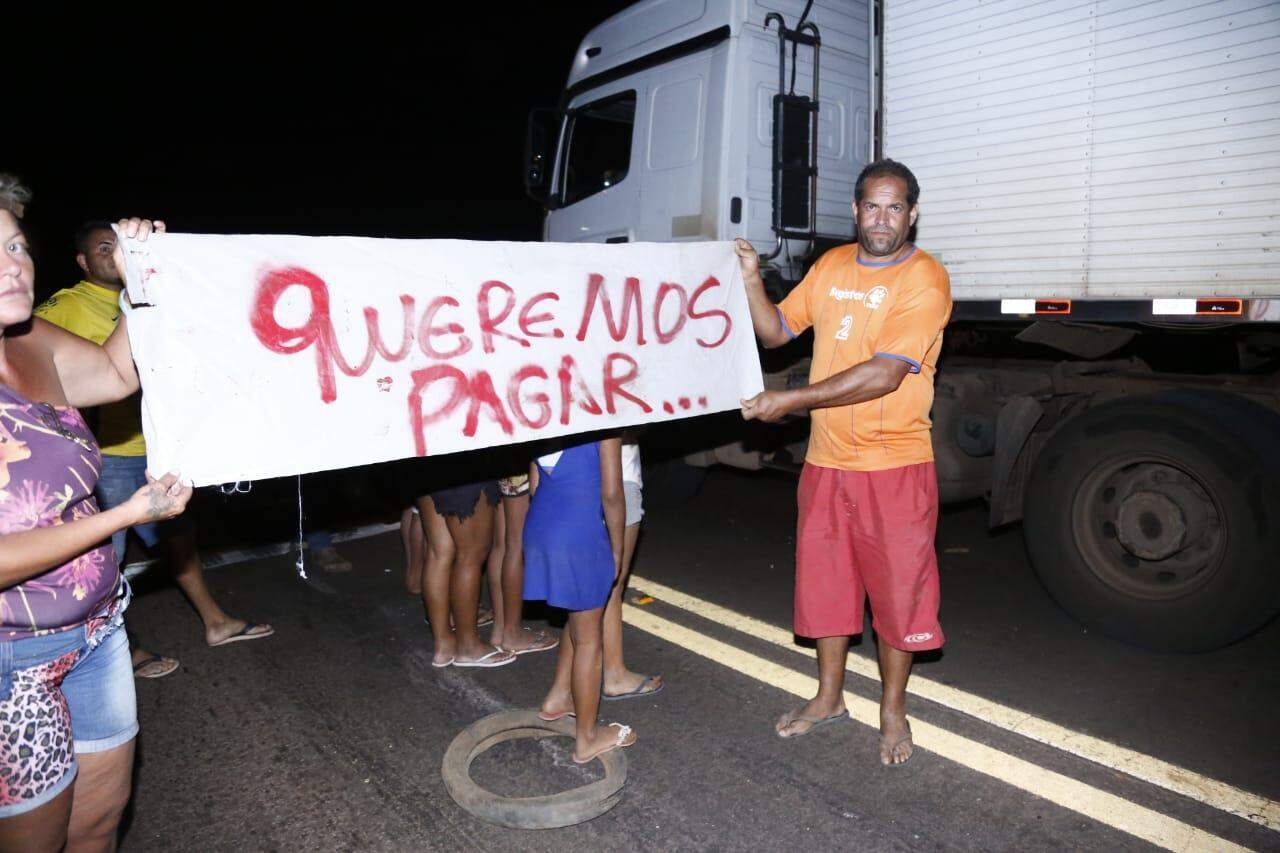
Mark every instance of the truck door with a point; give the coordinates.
(680, 197)
(596, 192)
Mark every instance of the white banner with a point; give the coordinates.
(265, 356)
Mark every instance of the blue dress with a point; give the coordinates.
(568, 561)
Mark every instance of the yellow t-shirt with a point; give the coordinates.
(860, 311)
(92, 311)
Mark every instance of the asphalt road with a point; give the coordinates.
(1035, 734)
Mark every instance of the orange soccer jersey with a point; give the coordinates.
(859, 311)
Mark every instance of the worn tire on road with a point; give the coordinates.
(567, 808)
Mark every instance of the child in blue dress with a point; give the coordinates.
(572, 550)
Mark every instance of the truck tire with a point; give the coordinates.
(1156, 519)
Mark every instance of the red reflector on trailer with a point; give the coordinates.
(1229, 307)
(1053, 306)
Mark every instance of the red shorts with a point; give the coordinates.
(869, 533)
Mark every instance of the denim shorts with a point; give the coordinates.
(61, 695)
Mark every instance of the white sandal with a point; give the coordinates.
(489, 661)
(624, 732)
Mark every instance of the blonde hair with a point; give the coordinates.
(13, 195)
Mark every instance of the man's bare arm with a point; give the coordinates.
(764, 314)
(867, 380)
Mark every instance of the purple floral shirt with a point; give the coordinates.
(49, 465)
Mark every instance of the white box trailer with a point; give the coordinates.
(1091, 150)
(1101, 179)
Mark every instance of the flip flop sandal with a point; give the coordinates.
(449, 662)
(904, 739)
(813, 724)
(623, 733)
(246, 633)
(489, 661)
(538, 646)
(167, 666)
(639, 692)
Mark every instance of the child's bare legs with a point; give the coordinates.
(619, 680)
(493, 571)
(472, 538)
(415, 551)
(577, 684)
(435, 585)
(509, 632)
(506, 625)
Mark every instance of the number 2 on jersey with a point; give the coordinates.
(842, 334)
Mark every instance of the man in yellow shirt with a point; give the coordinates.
(91, 309)
(868, 497)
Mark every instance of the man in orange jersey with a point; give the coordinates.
(868, 497)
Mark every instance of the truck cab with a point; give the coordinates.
(666, 131)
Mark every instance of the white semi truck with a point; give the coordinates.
(1101, 178)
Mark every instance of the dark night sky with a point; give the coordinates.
(391, 125)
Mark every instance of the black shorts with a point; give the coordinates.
(461, 501)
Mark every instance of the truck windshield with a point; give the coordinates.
(599, 149)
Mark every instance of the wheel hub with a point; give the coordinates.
(1147, 527)
(1151, 526)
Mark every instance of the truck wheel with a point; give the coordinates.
(1156, 519)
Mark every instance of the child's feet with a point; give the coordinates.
(631, 685)
(527, 641)
(556, 705)
(483, 656)
(603, 739)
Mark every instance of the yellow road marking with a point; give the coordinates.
(1116, 812)
(1162, 774)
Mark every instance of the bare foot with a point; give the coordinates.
(235, 630)
(631, 685)
(603, 739)
(802, 720)
(896, 746)
(556, 705)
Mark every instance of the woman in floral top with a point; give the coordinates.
(68, 716)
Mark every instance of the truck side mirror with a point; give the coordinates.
(539, 153)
